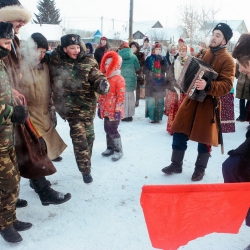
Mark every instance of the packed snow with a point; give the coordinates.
(106, 215)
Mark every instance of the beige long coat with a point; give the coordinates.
(36, 88)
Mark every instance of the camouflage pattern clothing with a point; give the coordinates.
(74, 83)
(9, 173)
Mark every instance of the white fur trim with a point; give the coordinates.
(14, 13)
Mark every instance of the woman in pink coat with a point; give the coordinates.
(111, 106)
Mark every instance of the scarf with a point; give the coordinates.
(154, 64)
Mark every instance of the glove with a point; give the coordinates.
(99, 113)
(117, 116)
(104, 86)
(20, 114)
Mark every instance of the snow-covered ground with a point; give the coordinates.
(106, 215)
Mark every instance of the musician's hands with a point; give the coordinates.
(200, 84)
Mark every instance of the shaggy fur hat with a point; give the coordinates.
(225, 29)
(70, 39)
(136, 45)
(6, 30)
(40, 40)
(90, 47)
(241, 50)
(112, 59)
(12, 10)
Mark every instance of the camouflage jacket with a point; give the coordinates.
(74, 83)
(6, 108)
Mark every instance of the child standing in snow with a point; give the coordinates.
(175, 94)
(111, 106)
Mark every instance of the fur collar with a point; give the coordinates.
(13, 13)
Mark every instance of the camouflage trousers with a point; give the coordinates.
(9, 187)
(83, 136)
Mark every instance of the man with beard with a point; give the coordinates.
(12, 11)
(196, 120)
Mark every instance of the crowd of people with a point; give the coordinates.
(76, 82)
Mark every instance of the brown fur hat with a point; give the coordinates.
(12, 10)
(241, 50)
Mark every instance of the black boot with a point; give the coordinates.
(118, 153)
(176, 165)
(31, 185)
(21, 226)
(11, 235)
(47, 194)
(200, 166)
(247, 248)
(110, 147)
(87, 178)
(21, 203)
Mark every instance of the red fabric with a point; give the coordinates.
(173, 103)
(114, 100)
(177, 214)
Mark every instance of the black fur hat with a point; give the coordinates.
(6, 30)
(225, 29)
(4, 3)
(90, 47)
(40, 40)
(70, 39)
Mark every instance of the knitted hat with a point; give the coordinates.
(241, 50)
(70, 39)
(113, 60)
(181, 40)
(90, 47)
(225, 29)
(40, 40)
(6, 30)
(103, 38)
(124, 45)
(12, 10)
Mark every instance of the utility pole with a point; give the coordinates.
(102, 25)
(131, 21)
(113, 24)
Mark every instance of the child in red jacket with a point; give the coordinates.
(111, 106)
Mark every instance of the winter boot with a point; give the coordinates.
(21, 203)
(47, 194)
(247, 248)
(21, 226)
(118, 153)
(200, 166)
(11, 235)
(110, 147)
(176, 165)
(87, 178)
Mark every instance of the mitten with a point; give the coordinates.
(104, 86)
(20, 114)
(118, 116)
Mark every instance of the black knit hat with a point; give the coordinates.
(90, 47)
(40, 40)
(6, 30)
(70, 39)
(225, 29)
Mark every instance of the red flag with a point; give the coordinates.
(176, 214)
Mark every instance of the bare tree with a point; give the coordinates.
(207, 21)
(190, 22)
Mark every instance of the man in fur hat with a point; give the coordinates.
(9, 172)
(236, 168)
(12, 11)
(196, 120)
